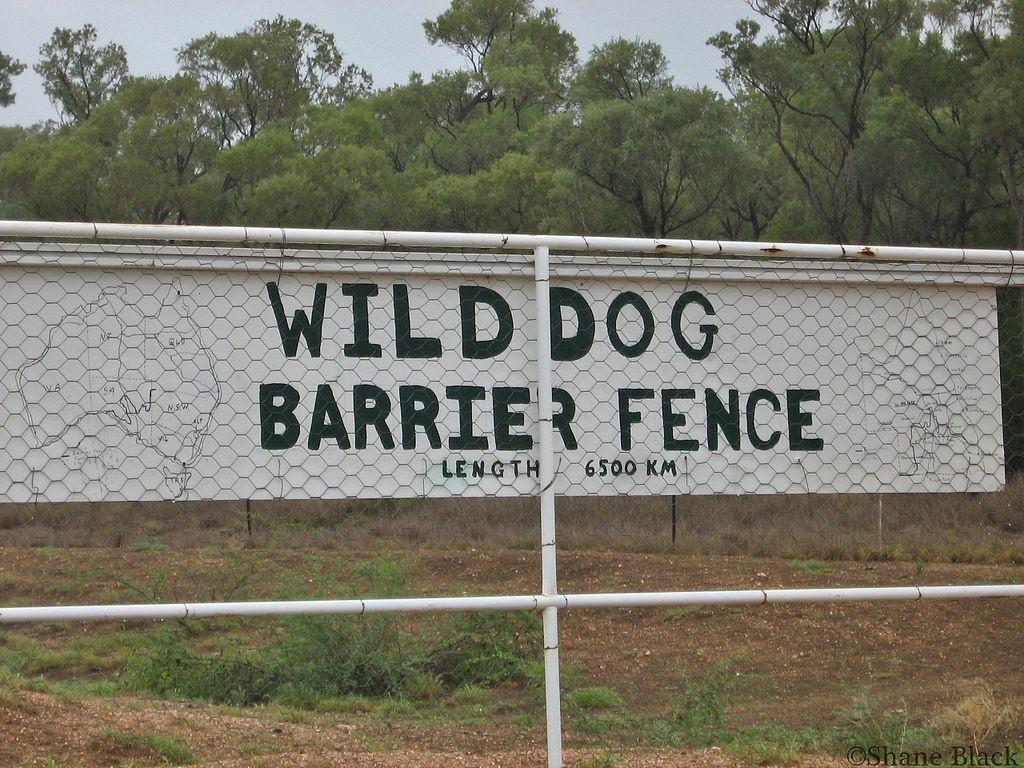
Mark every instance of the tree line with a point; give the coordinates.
(870, 121)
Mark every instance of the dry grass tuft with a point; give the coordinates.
(978, 717)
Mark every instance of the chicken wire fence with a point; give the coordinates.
(492, 368)
(178, 372)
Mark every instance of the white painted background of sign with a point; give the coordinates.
(898, 367)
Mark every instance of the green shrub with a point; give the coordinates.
(169, 668)
(698, 719)
(485, 648)
(331, 657)
(343, 655)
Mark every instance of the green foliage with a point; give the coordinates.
(78, 76)
(269, 73)
(333, 658)
(667, 160)
(485, 649)
(9, 67)
(622, 69)
(168, 668)
(338, 656)
(698, 718)
(593, 698)
(519, 58)
(849, 121)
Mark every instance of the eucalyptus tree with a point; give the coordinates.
(268, 73)
(309, 172)
(56, 177)
(518, 58)
(622, 69)
(518, 64)
(162, 144)
(660, 163)
(934, 178)
(815, 78)
(998, 61)
(9, 67)
(77, 75)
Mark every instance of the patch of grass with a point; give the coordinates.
(169, 749)
(593, 698)
(698, 719)
(169, 668)
(605, 759)
(11, 692)
(147, 546)
(866, 722)
(772, 744)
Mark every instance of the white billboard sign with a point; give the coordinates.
(235, 374)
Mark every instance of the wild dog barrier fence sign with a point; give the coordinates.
(165, 372)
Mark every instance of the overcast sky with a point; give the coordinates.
(385, 37)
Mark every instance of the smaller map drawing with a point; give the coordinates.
(925, 424)
(121, 394)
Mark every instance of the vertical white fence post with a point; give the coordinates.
(549, 577)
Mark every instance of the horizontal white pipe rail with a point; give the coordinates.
(13, 615)
(385, 239)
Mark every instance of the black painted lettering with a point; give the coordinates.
(312, 330)
(576, 346)
(620, 302)
(709, 330)
(628, 418)
(670, 420)
(562, 421)
(798, 419)
(279, 429)
(406, 345)
(419, 408)
(361, 345)
(466, 440)
(474, 348)
(724, 418)
(370, 408)
(756, 397)
(326, 422)
(504, 419)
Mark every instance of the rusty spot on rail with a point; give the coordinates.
(866, 252)
(773, 250)
(670, 247)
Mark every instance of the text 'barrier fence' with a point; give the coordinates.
(136, 372)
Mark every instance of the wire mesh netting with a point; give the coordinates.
(142, 372)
